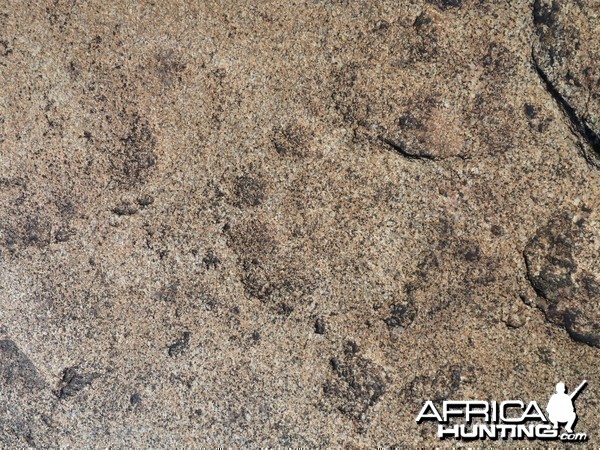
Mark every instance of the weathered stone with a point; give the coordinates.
(562, 267)
(202, 203)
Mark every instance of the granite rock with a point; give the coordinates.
(289, 224)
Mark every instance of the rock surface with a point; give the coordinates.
(253, 224)
(561, 262)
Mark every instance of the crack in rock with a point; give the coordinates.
(578, 125)
(399, 148)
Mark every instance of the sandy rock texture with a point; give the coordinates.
(290, 223)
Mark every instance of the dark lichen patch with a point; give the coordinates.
(410, 122)
(545, 12)
(125, 209)
(422, 20)
(255, 245)
(549, 259)
(169, 67)
(293, 140)
(275, 281)
(211, 260)
(591, 286)
(357, 385)
(5, 48)
(73, 381)
(530, 110)
(423, 44)
(135, 157)
(351, 348)
(30, 230)
(167, 293)
(320, 326)
(380, 26)
(181, 345)
(537, 122)
(88, 136)
(401, 315)
(256, 281)
(496, 131)
(249, 191)
(64, 234)
(253, 240)
(498, 60)
(472, 252)
(550, 283)
(145, 200)
(135, 399)
(497, 230)
(581, 328)
(545, 356)
(16, 369)
(37, 232)
(442, 385)
(59, 15)
(447, 4)
(568, 292)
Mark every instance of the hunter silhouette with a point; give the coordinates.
(560, 407)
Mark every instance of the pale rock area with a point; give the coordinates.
(251, 224)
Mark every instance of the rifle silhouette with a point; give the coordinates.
(573, 394)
